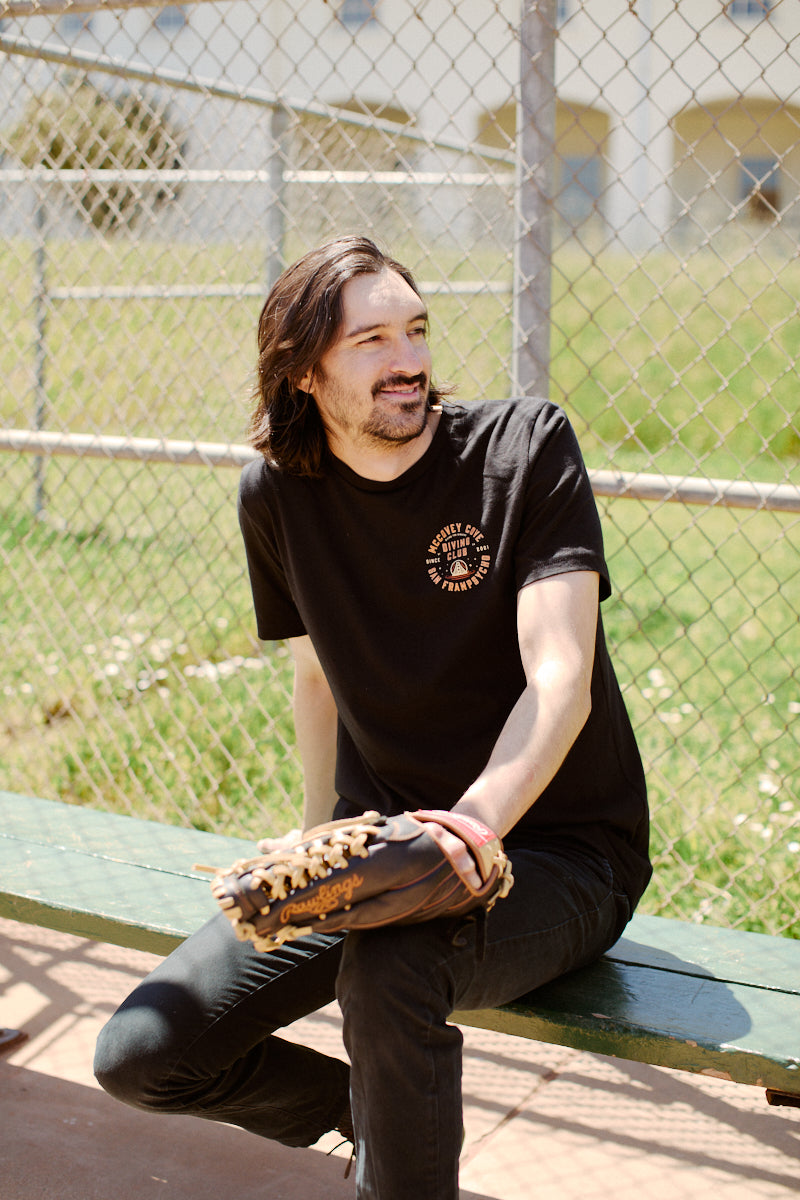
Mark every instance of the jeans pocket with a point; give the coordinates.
(624, 914)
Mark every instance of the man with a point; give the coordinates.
(437, 570)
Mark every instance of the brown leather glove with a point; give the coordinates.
(360, 874)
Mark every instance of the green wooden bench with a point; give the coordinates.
(712, 1001)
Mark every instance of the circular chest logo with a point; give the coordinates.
(458, 557)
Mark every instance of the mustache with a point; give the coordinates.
(392, 381)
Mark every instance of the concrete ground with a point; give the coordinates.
(542, 1122)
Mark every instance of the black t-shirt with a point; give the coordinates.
(408, 591)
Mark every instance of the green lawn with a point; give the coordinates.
(669, 366)
(706, 641)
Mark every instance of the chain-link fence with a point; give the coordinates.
(602, 192)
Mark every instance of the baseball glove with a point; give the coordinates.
(360, 874)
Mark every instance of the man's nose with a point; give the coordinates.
(408, 358)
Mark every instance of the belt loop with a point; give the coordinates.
(480, 934)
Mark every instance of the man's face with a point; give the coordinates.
(371, 386)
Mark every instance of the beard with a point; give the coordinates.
(397, 423)
(387, 422)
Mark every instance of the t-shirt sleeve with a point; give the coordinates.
(560, 529)
(275, 609)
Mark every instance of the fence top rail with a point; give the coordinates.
(54, 8)
(631, 485)
(689, 489)
(212, 291)
(83, 60)
(63, 175)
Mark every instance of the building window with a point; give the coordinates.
(749, 8)
(356, 13)
(72, 24)
(760, 187)
(170, 18)
(579, 186)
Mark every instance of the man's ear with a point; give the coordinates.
(307, 382)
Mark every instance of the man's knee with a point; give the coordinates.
(132, 1060)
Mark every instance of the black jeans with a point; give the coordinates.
(198, 1035)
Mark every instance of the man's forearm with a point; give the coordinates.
(531, 747)
(315, 729)
(557, 620)
(315, 720)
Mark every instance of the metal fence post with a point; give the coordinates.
(40, 347)
(535, 149)
(276, 210)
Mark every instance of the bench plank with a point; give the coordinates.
(729, 954)
(703, 1025)
(698, 998)
(114, 836)
(106, 876)
(131, 906)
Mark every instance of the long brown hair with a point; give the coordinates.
(299, 321)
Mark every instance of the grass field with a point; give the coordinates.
(132, 679)
(691, 365)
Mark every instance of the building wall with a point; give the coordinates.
(652, 96)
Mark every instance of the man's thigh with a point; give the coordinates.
(563, 911)
(218, 991)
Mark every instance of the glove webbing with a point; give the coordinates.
(277, 878)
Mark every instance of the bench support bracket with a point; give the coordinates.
(790, 1099)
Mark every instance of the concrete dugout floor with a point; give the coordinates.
(543, 1122)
